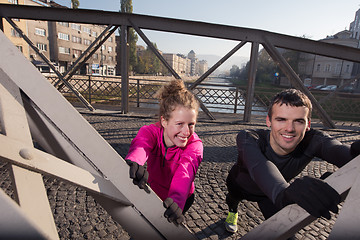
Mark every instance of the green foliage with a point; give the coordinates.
(266, 68)
(126, 7)
(148, 63)
(75, 4)
(234, 71)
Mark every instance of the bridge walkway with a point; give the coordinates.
(78, 216)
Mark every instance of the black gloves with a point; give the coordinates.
(355, 148)
(314, 195)
(139, 175)
(173, 213)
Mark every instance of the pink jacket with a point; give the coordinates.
(171, 170)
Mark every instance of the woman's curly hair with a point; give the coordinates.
(175, 94)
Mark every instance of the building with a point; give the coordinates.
(62, 42)
(202, 67)
(37, 32)
(13, 35)
(329, 71)
(193, 59)
(69, 40)
(179, 63)
(197, 67)
(355, 26)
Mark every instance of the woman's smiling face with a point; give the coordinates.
(288, 126)
(179, 127)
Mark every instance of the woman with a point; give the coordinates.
(171, 149)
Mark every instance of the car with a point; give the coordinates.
(318, 87)
(329, 88)
(348, 89)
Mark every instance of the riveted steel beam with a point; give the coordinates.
(195, 28)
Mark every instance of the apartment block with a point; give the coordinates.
(329, 71)
(355, 26)
(62, 42)
(69, 40)
(13, 35)
(178, 62)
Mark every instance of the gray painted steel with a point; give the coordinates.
(180, 26)
(63, 132)
(292, 218)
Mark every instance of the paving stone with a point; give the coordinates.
(78, 216)
(86, 229)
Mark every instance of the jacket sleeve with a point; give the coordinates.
(184, 175)
(328, 148)
(142, 145)
(261, 170)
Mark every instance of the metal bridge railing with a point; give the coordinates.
(142, 92)
(227, 98)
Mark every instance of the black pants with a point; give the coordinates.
(188, 203)
(237, 194)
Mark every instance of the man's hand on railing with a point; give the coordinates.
(314, 195)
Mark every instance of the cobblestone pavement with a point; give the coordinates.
(78, 216)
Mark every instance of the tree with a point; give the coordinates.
(234, 71)
(126, 7)
(266, 68)
(75, 4)
(148, 63)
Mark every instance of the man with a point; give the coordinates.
(269, 159)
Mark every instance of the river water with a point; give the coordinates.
(229, 100)
(222, 98)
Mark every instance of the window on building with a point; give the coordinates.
(94, 34)
(110, 71)
(13, 1)
(95, 71)
(327, 68)
(103, 57)
(110, 39)
(301, 67)
(76, 26)
(14, 33)
(42, 47)
(347, 68)
(40, 32)
(338, 68)
(64, 36)
(318, 67)
(95, 56)
(110, 49)
(103, 47)
(20, 48)
(76, 39)
(65, 24)
(87, 42)
(64, 50)
(87, 30)
(77, 52)
(111, 58)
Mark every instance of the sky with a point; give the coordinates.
(314, 19)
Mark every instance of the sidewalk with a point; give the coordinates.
(78, 216)
(207, 215)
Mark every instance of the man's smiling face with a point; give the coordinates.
(288, 126)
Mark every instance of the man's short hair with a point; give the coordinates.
(291, 97)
